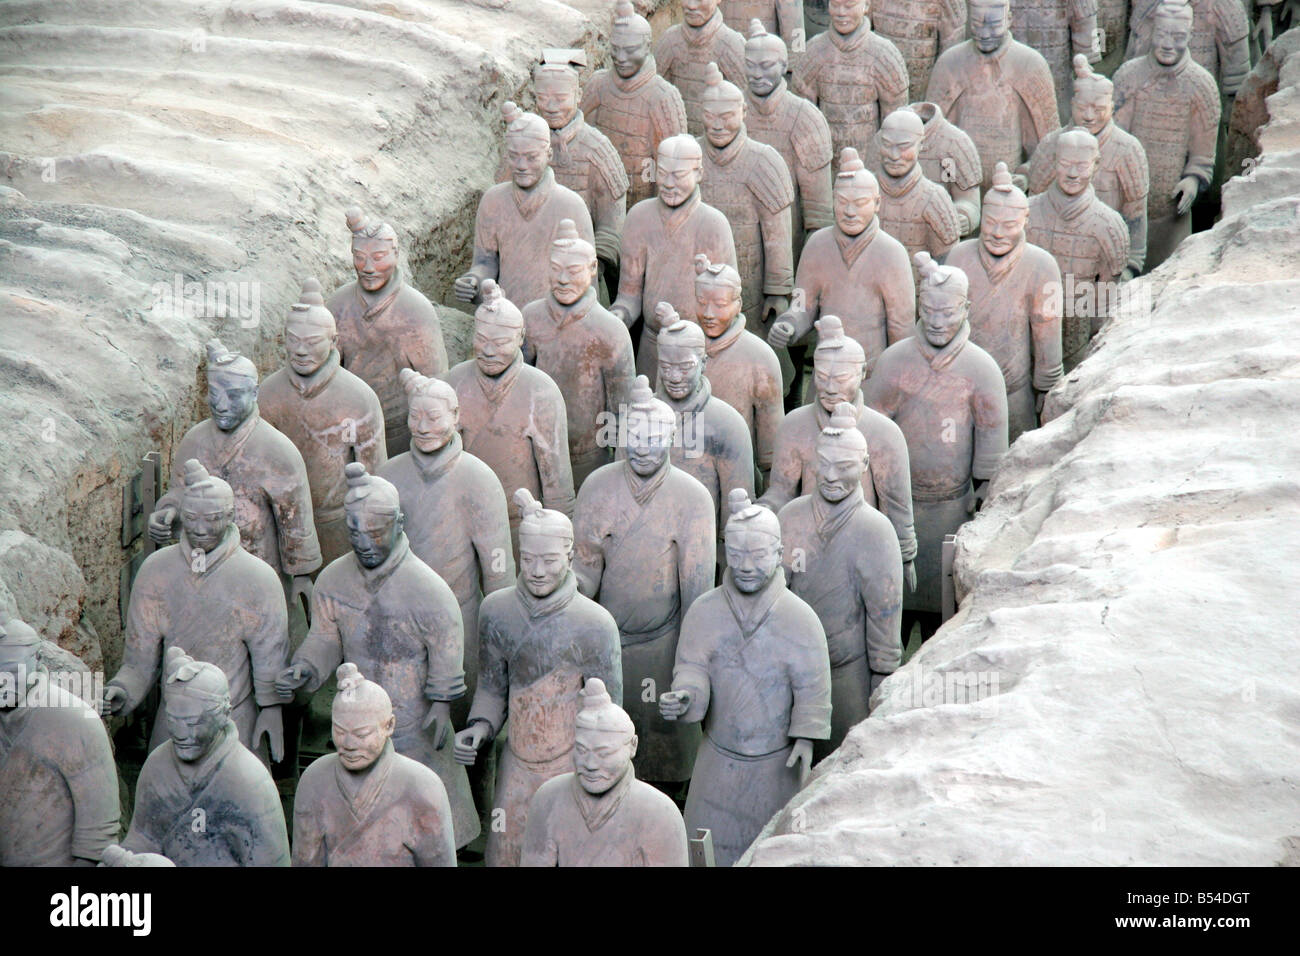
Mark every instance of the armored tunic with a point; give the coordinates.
(1121, 181)
(1219, 41)
(921, 29)
(587, 352)
(856, 80)
(843, 559)
(644, 548)
(393, 813)
(534, 656)
(1005, 100)
(748, 378)
(400, 624)
(659, 247)
(947, 157)
(636, 115)
(382, 333)
(748, 183)
(782, 18)
(959, 388)
(1058, 29)
(887, 487)
(1015, 316)
(1089, 241)
(58, 782)
(333, 417)
(759, 675)
(272, 497)
(683, 55)
(919, 214)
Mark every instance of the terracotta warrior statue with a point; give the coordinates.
(1088, 239)
(1121, 180)
(518, 219)
(855, 75)
(841, 556)
(266, 474)
(948, 396)
(839, 368)
(388, 612)
(366, 804)
(948, 157)
(1219, 39)
(1170, 103)
(203, 798)
(538, 642)
(713, 444)
(780, 19)
(1059, 30)
(58, 781)
(512, 415)
(584, 348)
(686, 49)
(914, 210)
(601, 814)
(208, 594)
(752, 665)
(999, 91)
(331, 415)
(645, 534)
(385, 324)
(1015, 303)
(662, 237)
(853, 270)
(746, 370)
(582, 157)
(635, 107)
(921, 29)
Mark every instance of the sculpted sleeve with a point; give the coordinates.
(787, 472)
(550, 441)
(990, 413)
(322, 650)
(1231, 37)
(267, 641)
(810, 679)
(371, 448)
(145, 625)
(1135, 187)
(295, 529)
(1045, 309)
(941, 216)
(91, 776)
(697, 552)
(811, 139)
(1042, 165)
(945, 84)
(1203, 125)
(667, 114)
(492, 692)
(620, 375)
(735, 463)
(890, 77)
(426, 352)
(589, 540)
(775, 194)
(691, 669)
(609, 209)
(308, 834)
(539, 848)
(432, 839)
(1083, 28)
(769, 408)
(891, 476)
(879, 391)
(898, 290)
(952, 23)
(491, 537)
(438, 618)
(881, 591)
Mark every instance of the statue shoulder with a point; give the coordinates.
(606, 161)
(769, 177)
(811, 135)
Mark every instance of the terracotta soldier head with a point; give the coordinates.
(196, 700)
(630, 40)
(847, 15)
(717, 295)
(374, 250)
(1077, 158)
(649, 430)
(362, 718)
(857, 194)
(433, 410)
(207, 507)
(20, 647)
(498, 331)
(310, 332)
(232, 386)
(839, 364)
(556, 85)
(766, 59)
(900, 142)
(573, 264)
(1093, 103)
(604, 740)
(682, 354)
(679, 166)
(696, 13)
(1004, 214)
(723, 108)
(753, 539)
(374, 515)
(841, 455)
(944, 300)
(989, 22)
(1171, 31)
(528, 145)
(545, 545)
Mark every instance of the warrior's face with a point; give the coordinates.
(698, 12)
(649, 441)
(1074, 168)
(527, 159)
(544, 561)
(572, 274)
(839, 471)
(677, 178)
(764, 70)
(899, 150)
(942, 315)
(360, 734)
(990, 22)
(374, 260)
(373, 533)
(716, 307)
(231, 399)
(847, 15)
(1169, 38)
(855, 207)
(600, 757)
(206, 515)
(557, 98)
(432, 422)
(1001, 227)
(681, 370)
(753, 557)
(628, 53)
(193, 724)
(1092, 107)
(308, 344)
(723, 119)
(495, 347)
(836, 381)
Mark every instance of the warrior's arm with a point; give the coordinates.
(778, 253)
(308, 835)
(697, 552)
(891, 476)
(691, 669)
(490, 535)
(443, 633)
(1204, 126)
(295, 529)
(809, 668)
(786, 474)
(769, 410)
(493, 689)
(881, 593)
(990, 414)
(898, 290)
(815, 196)
(322, 649)
(91, 777)
(1083, 28)
(142, 659)
(1232, 37)
(631, 280)
(608, 213)
(268, 644)
(1045, 328)
(538, 847)
(588, 543)
(952, 24)
(370, 448)
(550, 443)
(426, 351)
(618, 378)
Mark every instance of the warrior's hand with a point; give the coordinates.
(801, 754)
(1185, 192)
(674, 704)
(774, 306)
(440, 715)
(160, 525)
(782, 333)
(270, 722)
(113, 701)
(466, 287)
(981, 495)
(909, 576)
(290, 679)
(468, 742)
